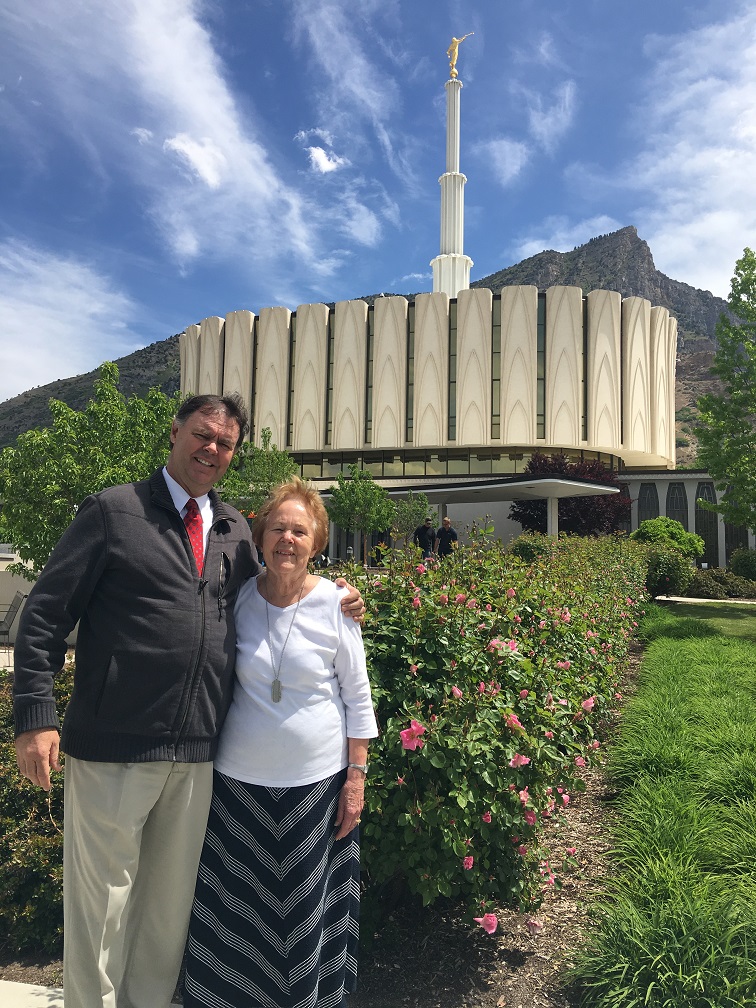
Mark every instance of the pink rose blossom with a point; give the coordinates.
(489, 922)
(510, 593)
(443, 599)
(519, 760)
(579, 761)
(467, 862)
(416, 603)
(523, 796)
(420, 568)
(413, 669)
(471, 604)
(565, 799)
(486, 817)
(530, 817)
(456, 692)
(513, 722)
(572, 851)
(566, 616)
(549, 734)
(494, 645)
(534, 925)
(588, 704)
(523, 694)
(400, 781)
(411, 736)
(522, 849)
(461, 597)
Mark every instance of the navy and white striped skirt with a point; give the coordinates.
(274, 922)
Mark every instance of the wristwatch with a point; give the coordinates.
(360, 766)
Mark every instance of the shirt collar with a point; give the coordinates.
(179, 496)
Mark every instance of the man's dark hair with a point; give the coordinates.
(231, 404)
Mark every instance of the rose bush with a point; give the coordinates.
(490, 676)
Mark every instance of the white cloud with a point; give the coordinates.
(203, 156)
(507, 158)
(59, 317)
(323, 162)
(697, 160)
(143, 135)
(549, 123)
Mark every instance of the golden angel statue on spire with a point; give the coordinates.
(453, 51)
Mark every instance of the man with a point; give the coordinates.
(150, 571)
(446, 537)
(424, 537)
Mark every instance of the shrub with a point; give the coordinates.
(490, 677)
(732, 585)
(31, 844)
(669, 572)
(529, 547)
(670, 533)
(743, 563)
(704, 585)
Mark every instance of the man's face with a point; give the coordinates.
(447, 522)
(201, 450)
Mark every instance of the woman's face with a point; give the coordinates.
(288, 542)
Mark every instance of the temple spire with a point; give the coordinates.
(451, 268)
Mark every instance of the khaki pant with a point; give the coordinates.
(133, 835)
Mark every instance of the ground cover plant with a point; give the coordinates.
(491, 674)
(678, 926)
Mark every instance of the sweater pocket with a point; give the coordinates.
(132, 702)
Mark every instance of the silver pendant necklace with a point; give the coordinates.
(275, 686)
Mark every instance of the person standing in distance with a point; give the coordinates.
(424, 537)
(446, 537)
(150, 571)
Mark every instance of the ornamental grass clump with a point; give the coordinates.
(677, 925)
(491, 676)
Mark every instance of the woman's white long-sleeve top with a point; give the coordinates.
(325, 693)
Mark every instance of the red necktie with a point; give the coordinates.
(193, 523)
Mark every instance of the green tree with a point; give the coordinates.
(48, 472)
(359, 504)
(254, 471)
(409, 512)
(727, 426)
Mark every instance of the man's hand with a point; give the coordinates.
(352, 603)
(37, 752)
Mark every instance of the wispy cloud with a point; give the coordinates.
(698, 162)
(205, 166)
(506, 158)
(550, 121)
(58, 314)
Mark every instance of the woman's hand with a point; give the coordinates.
(352, 604)
(351, 801)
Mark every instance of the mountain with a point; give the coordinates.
(154, 365)
(620, 261)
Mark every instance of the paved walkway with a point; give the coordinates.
(16, 995)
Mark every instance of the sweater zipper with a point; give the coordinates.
(201, 592)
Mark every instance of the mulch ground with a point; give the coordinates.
(433, 959)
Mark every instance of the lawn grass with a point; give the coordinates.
(677, 928)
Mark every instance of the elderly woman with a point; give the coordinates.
(274, 922)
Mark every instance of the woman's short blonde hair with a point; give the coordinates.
(306, 494)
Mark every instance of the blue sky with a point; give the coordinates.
(166, 160)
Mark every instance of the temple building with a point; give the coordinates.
(451, 392)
